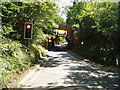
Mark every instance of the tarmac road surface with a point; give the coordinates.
(64, 72)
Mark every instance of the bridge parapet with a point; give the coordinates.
(68, 29)
(70, 33)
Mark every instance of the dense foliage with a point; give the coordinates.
(18, 53)
(96, 24)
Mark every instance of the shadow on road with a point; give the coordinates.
(86, 74)
(63, 71)
(52, 62)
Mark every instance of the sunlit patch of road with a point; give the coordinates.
(63, 69)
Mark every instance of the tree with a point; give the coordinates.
(16, 55)
(97, 22)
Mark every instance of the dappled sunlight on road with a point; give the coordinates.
(62, 69)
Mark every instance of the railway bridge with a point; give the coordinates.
(64, 31)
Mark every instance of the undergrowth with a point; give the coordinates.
(15, 58)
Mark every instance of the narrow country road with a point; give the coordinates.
(63, 69)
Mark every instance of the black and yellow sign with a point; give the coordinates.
(62, 33)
